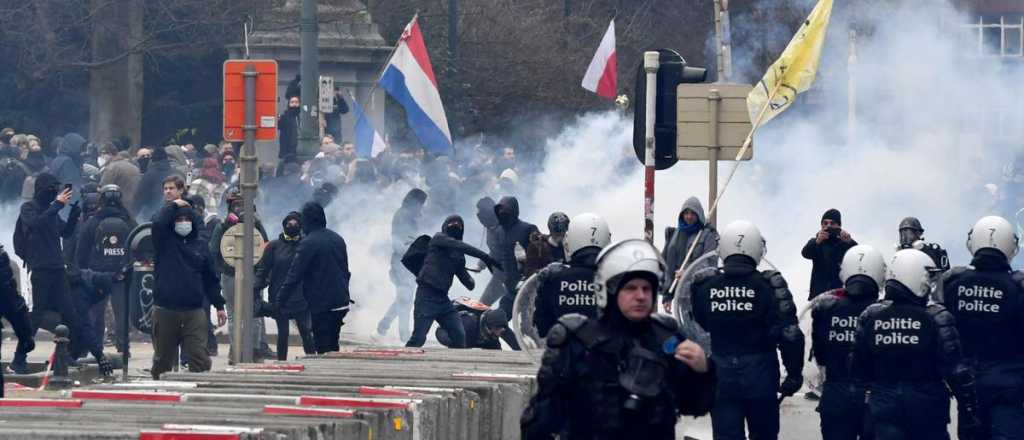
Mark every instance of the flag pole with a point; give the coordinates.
(380, 72)
(714, 206)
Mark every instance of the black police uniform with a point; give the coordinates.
(988, 303)
(904, 350)
(564, 289)
(581, 392)
(749, 314)
(843, 410)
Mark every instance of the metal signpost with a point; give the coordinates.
(250, 104)
(713, 123)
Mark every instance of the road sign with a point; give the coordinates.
(234, 99)
(700, 129)
(231, 246)
(326, 94)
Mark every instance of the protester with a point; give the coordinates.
(405, 226)
(826, 252)
(183, 275)
(118, 170)
(320, 273)
(445, 260)
(691, 223)
(14, 310)
(271, 271)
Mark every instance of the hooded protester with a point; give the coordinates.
(288, 126)
(14, 310)
(178, 160)
(118, 170)
(67, 166)
(445, 260)
(512, 232)
(691, 222)
(210, 223)
(271, 271)
(148, 197)
(37, 240)
(826, 252)
(495, 289)
(630, 372)
(13, 172)
(320, 273)
(405, 227)
(183, 276)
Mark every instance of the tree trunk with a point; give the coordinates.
(115, 89)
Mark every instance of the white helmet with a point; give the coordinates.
(912, 268)
(863, 260)
(993, 232)
(741, 237)
(627, 256)
(586, 230)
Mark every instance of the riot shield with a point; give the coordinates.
(141, 281)
(682, 301)
(522, 319)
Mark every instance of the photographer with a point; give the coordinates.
(826, 252)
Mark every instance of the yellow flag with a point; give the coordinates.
(794, 71)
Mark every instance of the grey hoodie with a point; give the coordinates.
(675, 250)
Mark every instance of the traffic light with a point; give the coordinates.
(672, 72)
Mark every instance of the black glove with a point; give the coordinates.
(790, 386)
(25, 345)
(970, 426)
(106, 369)
(265, 309)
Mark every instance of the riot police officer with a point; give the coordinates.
(749, 314)
(907, 351)
(569, 288)
(843, 410)
(912, 237)
(629, 373)
(987, 299)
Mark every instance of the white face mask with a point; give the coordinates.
(183, 228)
(101, 161)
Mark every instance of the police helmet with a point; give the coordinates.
(913, 269)
(586, 230)
(741, 237)
(627, 257)
(996, 233)
(863, 260)
(110, 194)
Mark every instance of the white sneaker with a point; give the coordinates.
(378, 338)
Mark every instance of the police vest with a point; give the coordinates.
(568, 290)
(835, 328)
(902, 339)
(987, 307)
(734, 310)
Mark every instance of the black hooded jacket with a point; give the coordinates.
(825, 260)
(42, 225)
(446, 258)
(183, 268)
(512, 231)
(320, 266)
(405, 223)
(67, 166)
(288, 126)
(273, 268)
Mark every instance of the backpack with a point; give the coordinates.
(110, 245)
(414, 256)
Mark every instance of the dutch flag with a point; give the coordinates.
(368, 141)
(410, 80)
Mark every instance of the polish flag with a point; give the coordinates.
(601, 77)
